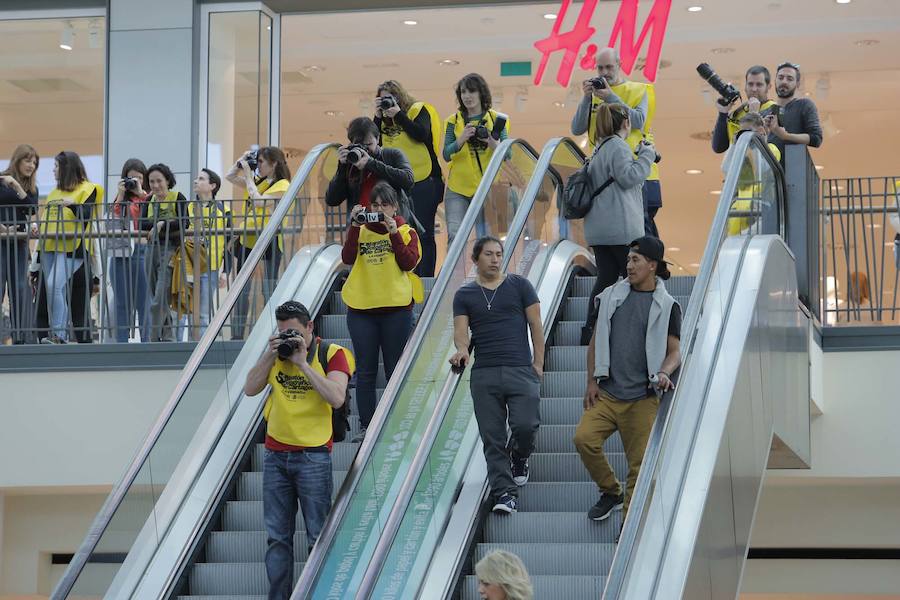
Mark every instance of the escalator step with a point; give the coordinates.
(332, 326)
(561, 411)
(556, 496)
(558, 438)
(558, 466)
(582, 287)
(564, 384)
(250, 487)
(557, 559)
(568, 333)
(247, 546)
(581, 587)
(575, 309)
(341, 456)
(232, 578)
(565, 358)
(551, 527)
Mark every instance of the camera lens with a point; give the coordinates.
(131, 184)
(481, 132)
(354, 154)
(385, 102)
(360, 218)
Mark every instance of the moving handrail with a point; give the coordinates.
(310, 575)
(117, 495)
(718, 234)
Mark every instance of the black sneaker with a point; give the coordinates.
(605, 505)
(53, 339)
(507, 503)
(519, 468)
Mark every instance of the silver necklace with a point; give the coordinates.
(491, 301)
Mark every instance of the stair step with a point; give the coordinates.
(558, 496)
(558, 438)
(567, 466)
(247, 546)
(551, 527)
(232, 578)
(557, 559)
(250, 486)
(580, 587)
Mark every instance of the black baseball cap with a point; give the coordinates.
(650, 247)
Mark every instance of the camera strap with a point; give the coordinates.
(311, 351)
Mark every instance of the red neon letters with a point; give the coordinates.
(570, 42)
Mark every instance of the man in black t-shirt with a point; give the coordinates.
(631, 358)
(500, 310)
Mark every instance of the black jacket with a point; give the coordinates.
(390, 164)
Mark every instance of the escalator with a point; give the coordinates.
(741, 405)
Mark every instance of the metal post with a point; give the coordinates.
(802, 227)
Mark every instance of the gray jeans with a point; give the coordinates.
(500, 394)
(455, 207)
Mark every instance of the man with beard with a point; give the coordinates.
(799, 123)
(757, 83)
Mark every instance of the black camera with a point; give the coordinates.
(386, 102)
(132, 185)
(287, 346)
(728, 92)
(598, 83)
(253, 159)
(364, 217)
(777, 111)
(481, 132)
(658, 157)
(355, 153)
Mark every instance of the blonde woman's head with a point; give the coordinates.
(502, 576)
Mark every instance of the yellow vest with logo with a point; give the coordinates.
(214, 217)
(734, 119)
(631, 93)
(376, 280)
(162, 210)
(256, 217)
(61, 230)
(295, 412)
(465, 172)
(419, 154)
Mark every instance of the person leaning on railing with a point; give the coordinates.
(414, 128)
(18, 205)
(62, 247)
(261, 194)
(126, 254)
(165, 222)
(380, 290)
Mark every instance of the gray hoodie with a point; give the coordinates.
(617, 215)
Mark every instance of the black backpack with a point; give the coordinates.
(340, 417)
(578, 195)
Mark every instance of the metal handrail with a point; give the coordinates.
(445, 398)
(117, 496)
(326, 538)
(718, 233)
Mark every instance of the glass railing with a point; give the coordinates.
(336, 567)
(752, 202)
(138, 512)
(422, 516)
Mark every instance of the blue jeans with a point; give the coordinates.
(206, 298)
(129, 281)
(455, 208)
(14, 256)
(371, 333)
(287, 478)
(58, 269)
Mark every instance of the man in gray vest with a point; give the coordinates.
(631, 358)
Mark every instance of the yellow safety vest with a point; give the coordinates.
(295, 412)
(214, 216)
(376, 280)
(631, 93)
(419, 154)
(162, 210)
(255, 217)
(734, 120)
(61, 229)
(748, 187)
(465, 174)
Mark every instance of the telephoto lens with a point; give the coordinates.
(287, 346)
(728, 92)
(354, 153)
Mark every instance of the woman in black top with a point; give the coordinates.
(18, 203)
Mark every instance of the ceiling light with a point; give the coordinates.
(863, 43)
(67, 38)
(819, 167)
(559, 104)
(876, 226)
(312, 68)
(843, 1)
(693, 171)
(675, 249)
(448, 62)
(722, 50)
(695, 265)
(716, 192)
(695, 8)
(550, 16)
(583, 143)
(334, 113)
(410, 22)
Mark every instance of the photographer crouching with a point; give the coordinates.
(363, 163)
(308, 381)
(380, 290)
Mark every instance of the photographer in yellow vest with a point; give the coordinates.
(757, 83)
(262, 190)
(469, 143)
(414, 127)
(63, 250)
(609, 86)
(380, 290)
